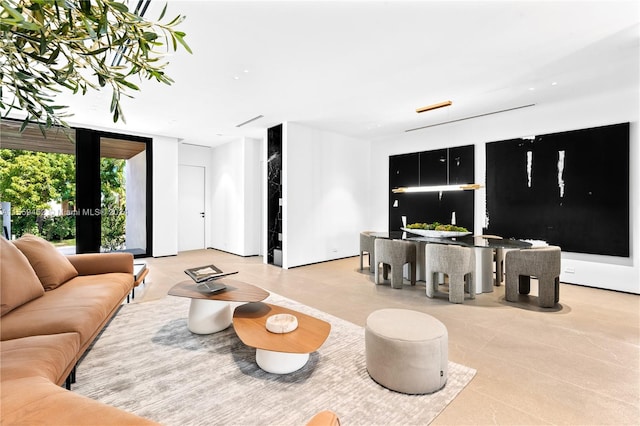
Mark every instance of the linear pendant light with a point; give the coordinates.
(434, 106)
(437, 188)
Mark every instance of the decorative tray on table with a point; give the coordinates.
(436, 230)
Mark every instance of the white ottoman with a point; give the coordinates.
(406, 351)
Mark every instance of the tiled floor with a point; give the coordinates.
(575, 364)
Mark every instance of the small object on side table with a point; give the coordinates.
(281, 323)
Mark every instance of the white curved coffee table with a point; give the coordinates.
(279, 353)
(212, 312)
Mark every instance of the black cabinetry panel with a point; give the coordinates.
(427, 168)
(404, 170)
(433, 167)
(461, 165)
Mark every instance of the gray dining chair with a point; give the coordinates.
(367, 246)
(498, 259)
(459, 263)
(540, 262)
(394, 254)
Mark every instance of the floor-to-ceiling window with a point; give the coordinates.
(113, 196)
(37, 183)
(92, 188)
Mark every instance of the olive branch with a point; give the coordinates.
(51, 45)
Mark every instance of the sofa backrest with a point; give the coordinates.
(51, 266)
(19, 283)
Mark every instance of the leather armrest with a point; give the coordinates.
(102, 263)
(324, 418)
(36, 401)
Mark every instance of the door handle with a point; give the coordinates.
(201, 214)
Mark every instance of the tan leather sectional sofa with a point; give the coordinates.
(52, 307)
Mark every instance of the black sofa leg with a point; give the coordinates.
(71, 378)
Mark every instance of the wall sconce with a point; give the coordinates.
(437, 188)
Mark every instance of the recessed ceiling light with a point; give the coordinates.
(555, 83)
(236, 77)
(245, 71)
(532, 88)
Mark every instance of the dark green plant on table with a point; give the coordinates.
(51, 45)
(436, 226)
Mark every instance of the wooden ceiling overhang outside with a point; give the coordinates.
(61, 141)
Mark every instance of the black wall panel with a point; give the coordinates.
(435, 167)
(404, 170)
(88, 220)
(274, 191)
(461, 167)
(579, 202)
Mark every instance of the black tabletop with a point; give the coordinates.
(467, 241)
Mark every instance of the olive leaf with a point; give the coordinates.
(78, 45)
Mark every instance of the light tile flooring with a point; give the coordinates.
(576, 364)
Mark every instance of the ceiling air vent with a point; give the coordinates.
(469, 118)
(257, 117)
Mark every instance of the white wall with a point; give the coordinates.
(235, 197)
(591, 270)
(325, 194)
(165, 196)
(252, 196)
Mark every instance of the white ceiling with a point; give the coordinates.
(361, 68)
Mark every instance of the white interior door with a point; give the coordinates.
(191, 208)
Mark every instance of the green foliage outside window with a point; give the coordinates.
(31, 181)
(113, 208)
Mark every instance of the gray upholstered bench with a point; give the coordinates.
(406, 351)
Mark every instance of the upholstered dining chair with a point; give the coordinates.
(394, 254)
(498, 259)
(367, 246)
(540, 262)
(459, 263)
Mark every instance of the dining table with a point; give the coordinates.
(483, 245)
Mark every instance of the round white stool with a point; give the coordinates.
(406, 351)
(208, 316)
(280, 362)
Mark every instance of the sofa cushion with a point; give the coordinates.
(51, 356)
(51, 266)
(19, 283)
(83, 305)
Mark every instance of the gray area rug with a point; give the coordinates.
(147, 362)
